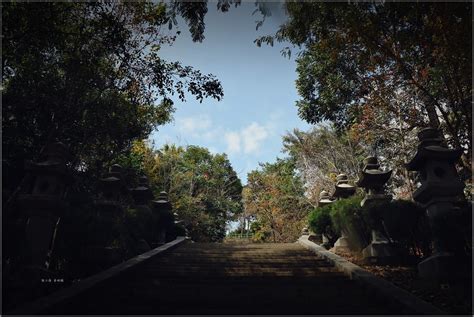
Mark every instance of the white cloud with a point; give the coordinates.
(210, 135)
(194, 124)
(253, 136)
(249, 139)
(233, 142)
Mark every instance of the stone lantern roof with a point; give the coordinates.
(343, 188)
(431, 147)
(162, 201)
(371, 177)
(142, 193)
(324, 198)
(163, 196)
(57, 152)
(112, 184)
(56, 156)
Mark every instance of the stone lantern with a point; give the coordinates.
(101, 255)
(163, 208)
(441, 193)
(142, 193)
(112, 185)
(373, 180)
(343, 188)
(43, 202)
(324, 200)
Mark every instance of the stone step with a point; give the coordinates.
(244, 255)
(241, 259)
(136, 279)
(190, 274)
(236, 266)
(224, 264)
(209, 278)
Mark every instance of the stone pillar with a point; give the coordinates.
(43, 201)
(163, 208)
(441, 193)
(343, 190)
(373, 180)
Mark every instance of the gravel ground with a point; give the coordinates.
(454, 298)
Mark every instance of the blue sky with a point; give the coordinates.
(259, 90)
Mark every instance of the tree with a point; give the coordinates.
(321, 154)
(88, 74)
(203, 187)
(352, 52)
(384, 127)
(275, 197)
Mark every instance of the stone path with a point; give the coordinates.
(211, 278)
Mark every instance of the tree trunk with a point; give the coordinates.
(431, 111)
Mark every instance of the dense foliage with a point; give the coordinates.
(402, 221)
(88, 74)
(203, 187)
(383, 69)
(346, 216)
(321, 154)
(274, 197)
(320, 222)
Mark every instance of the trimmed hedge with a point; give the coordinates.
(404, 222)
(320, 221)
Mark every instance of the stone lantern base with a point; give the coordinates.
(315, 237)
(342, 244)
(381, 251)
(445, 267)
(325, 242)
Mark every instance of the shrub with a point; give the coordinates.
(320, 222)
(402, 221)
(344, 212)
(259, 234)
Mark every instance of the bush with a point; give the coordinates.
(346, 216)
(345, 212)
(259, 232)
(402, 221)
(320, 222)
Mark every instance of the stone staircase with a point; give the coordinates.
(212, 278)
